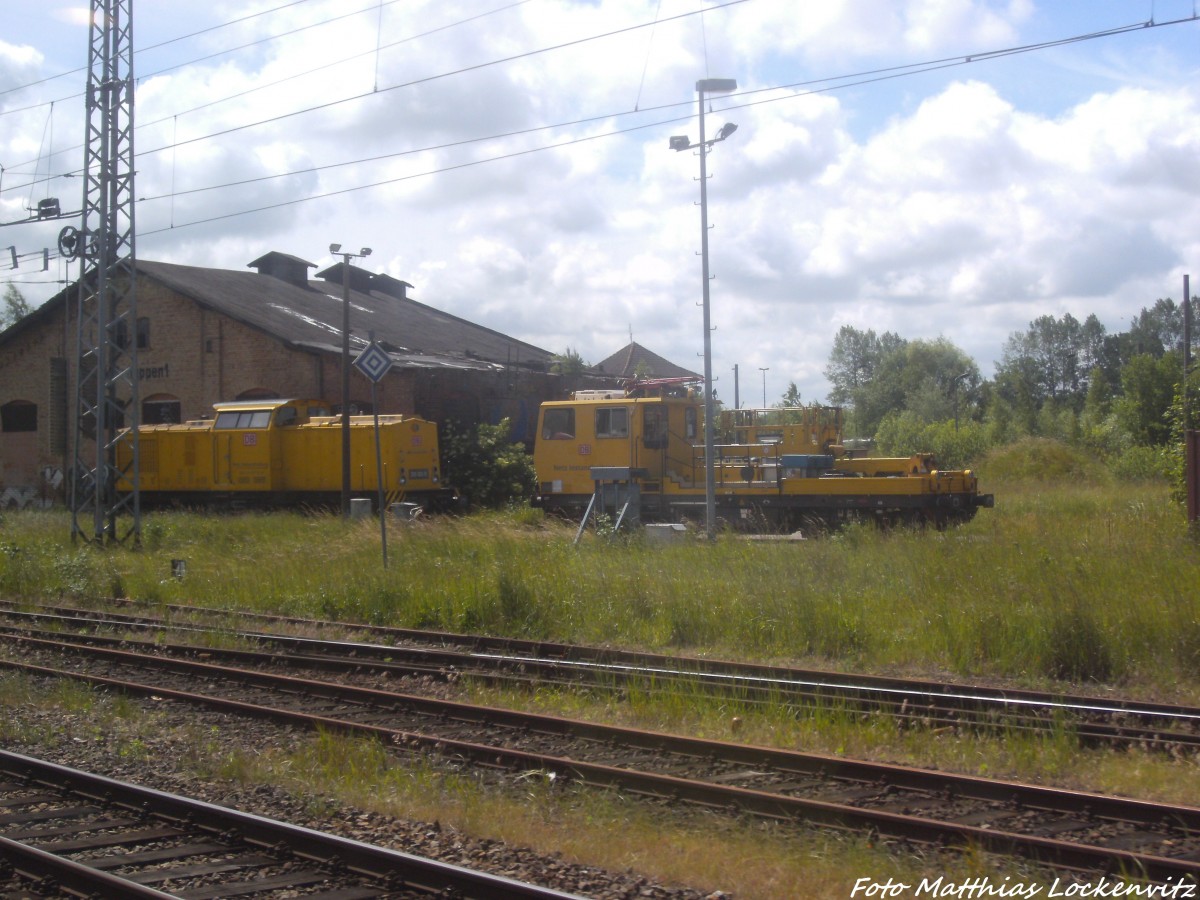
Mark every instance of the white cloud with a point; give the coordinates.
(961, 203)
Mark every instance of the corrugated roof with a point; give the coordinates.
(312, 317)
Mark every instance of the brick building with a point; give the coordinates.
(206, 335)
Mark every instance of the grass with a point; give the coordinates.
(1073, 581)
(1088, 585)
(747, 858)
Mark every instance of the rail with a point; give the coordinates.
(1159, 842)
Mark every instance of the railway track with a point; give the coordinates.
(1092, 720)
(1074, 830)
(67, 832)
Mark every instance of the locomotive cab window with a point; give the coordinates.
(257, 418)
(612, 423)
(654, 427)
(558, 425)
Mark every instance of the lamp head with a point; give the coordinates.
(366, 251)
(334, 248)
(716, 85)
(726, 130)
(680, 142)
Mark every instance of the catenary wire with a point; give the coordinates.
(412, 83)
(174, 40)
(851, 80)
(878, 75)
(846, 81)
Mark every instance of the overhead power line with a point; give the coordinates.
(841, 82)
(414, 82)
(174, 40)
(810, 87)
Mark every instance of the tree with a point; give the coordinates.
(16, 307)
(921, 377)
(1156, 330)
(569, 363)
(1147, 392)
(854, 360)
(1050, 362)
(571, 366)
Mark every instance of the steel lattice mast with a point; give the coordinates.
(106, 375)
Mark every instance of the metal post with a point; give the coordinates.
(764, 370)
(1187, 351)
(345, 385)
(710, 488)
(106, 387)
(336, 250)
(680, 142)
(379, 469)
(1191, 438)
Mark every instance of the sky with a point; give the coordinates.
(935, 168)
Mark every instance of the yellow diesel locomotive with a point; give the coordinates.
(256, 453)
(773, 469)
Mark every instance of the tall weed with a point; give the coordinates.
(1073, 576)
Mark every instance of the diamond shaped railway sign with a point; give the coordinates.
(373, 362)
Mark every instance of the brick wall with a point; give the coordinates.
(200, 357)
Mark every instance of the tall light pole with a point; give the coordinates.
(336, 250)
(681, 142)
(764, 370)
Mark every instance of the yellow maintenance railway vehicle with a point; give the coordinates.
(260, 453)
(642, 449)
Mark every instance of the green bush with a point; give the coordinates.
(902, 434)
(1044, 460)
(1140, 463)
(488, 469)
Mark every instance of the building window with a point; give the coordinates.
(612, 423)
(18, 415)
(161, 409)
(558, 425)
(120, 333)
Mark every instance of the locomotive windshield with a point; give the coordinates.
(243, 418)
(558, 424)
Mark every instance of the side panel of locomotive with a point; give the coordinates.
(408, 453)
(283, 452)
(766, 475)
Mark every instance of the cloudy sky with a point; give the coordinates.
(929, 167)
